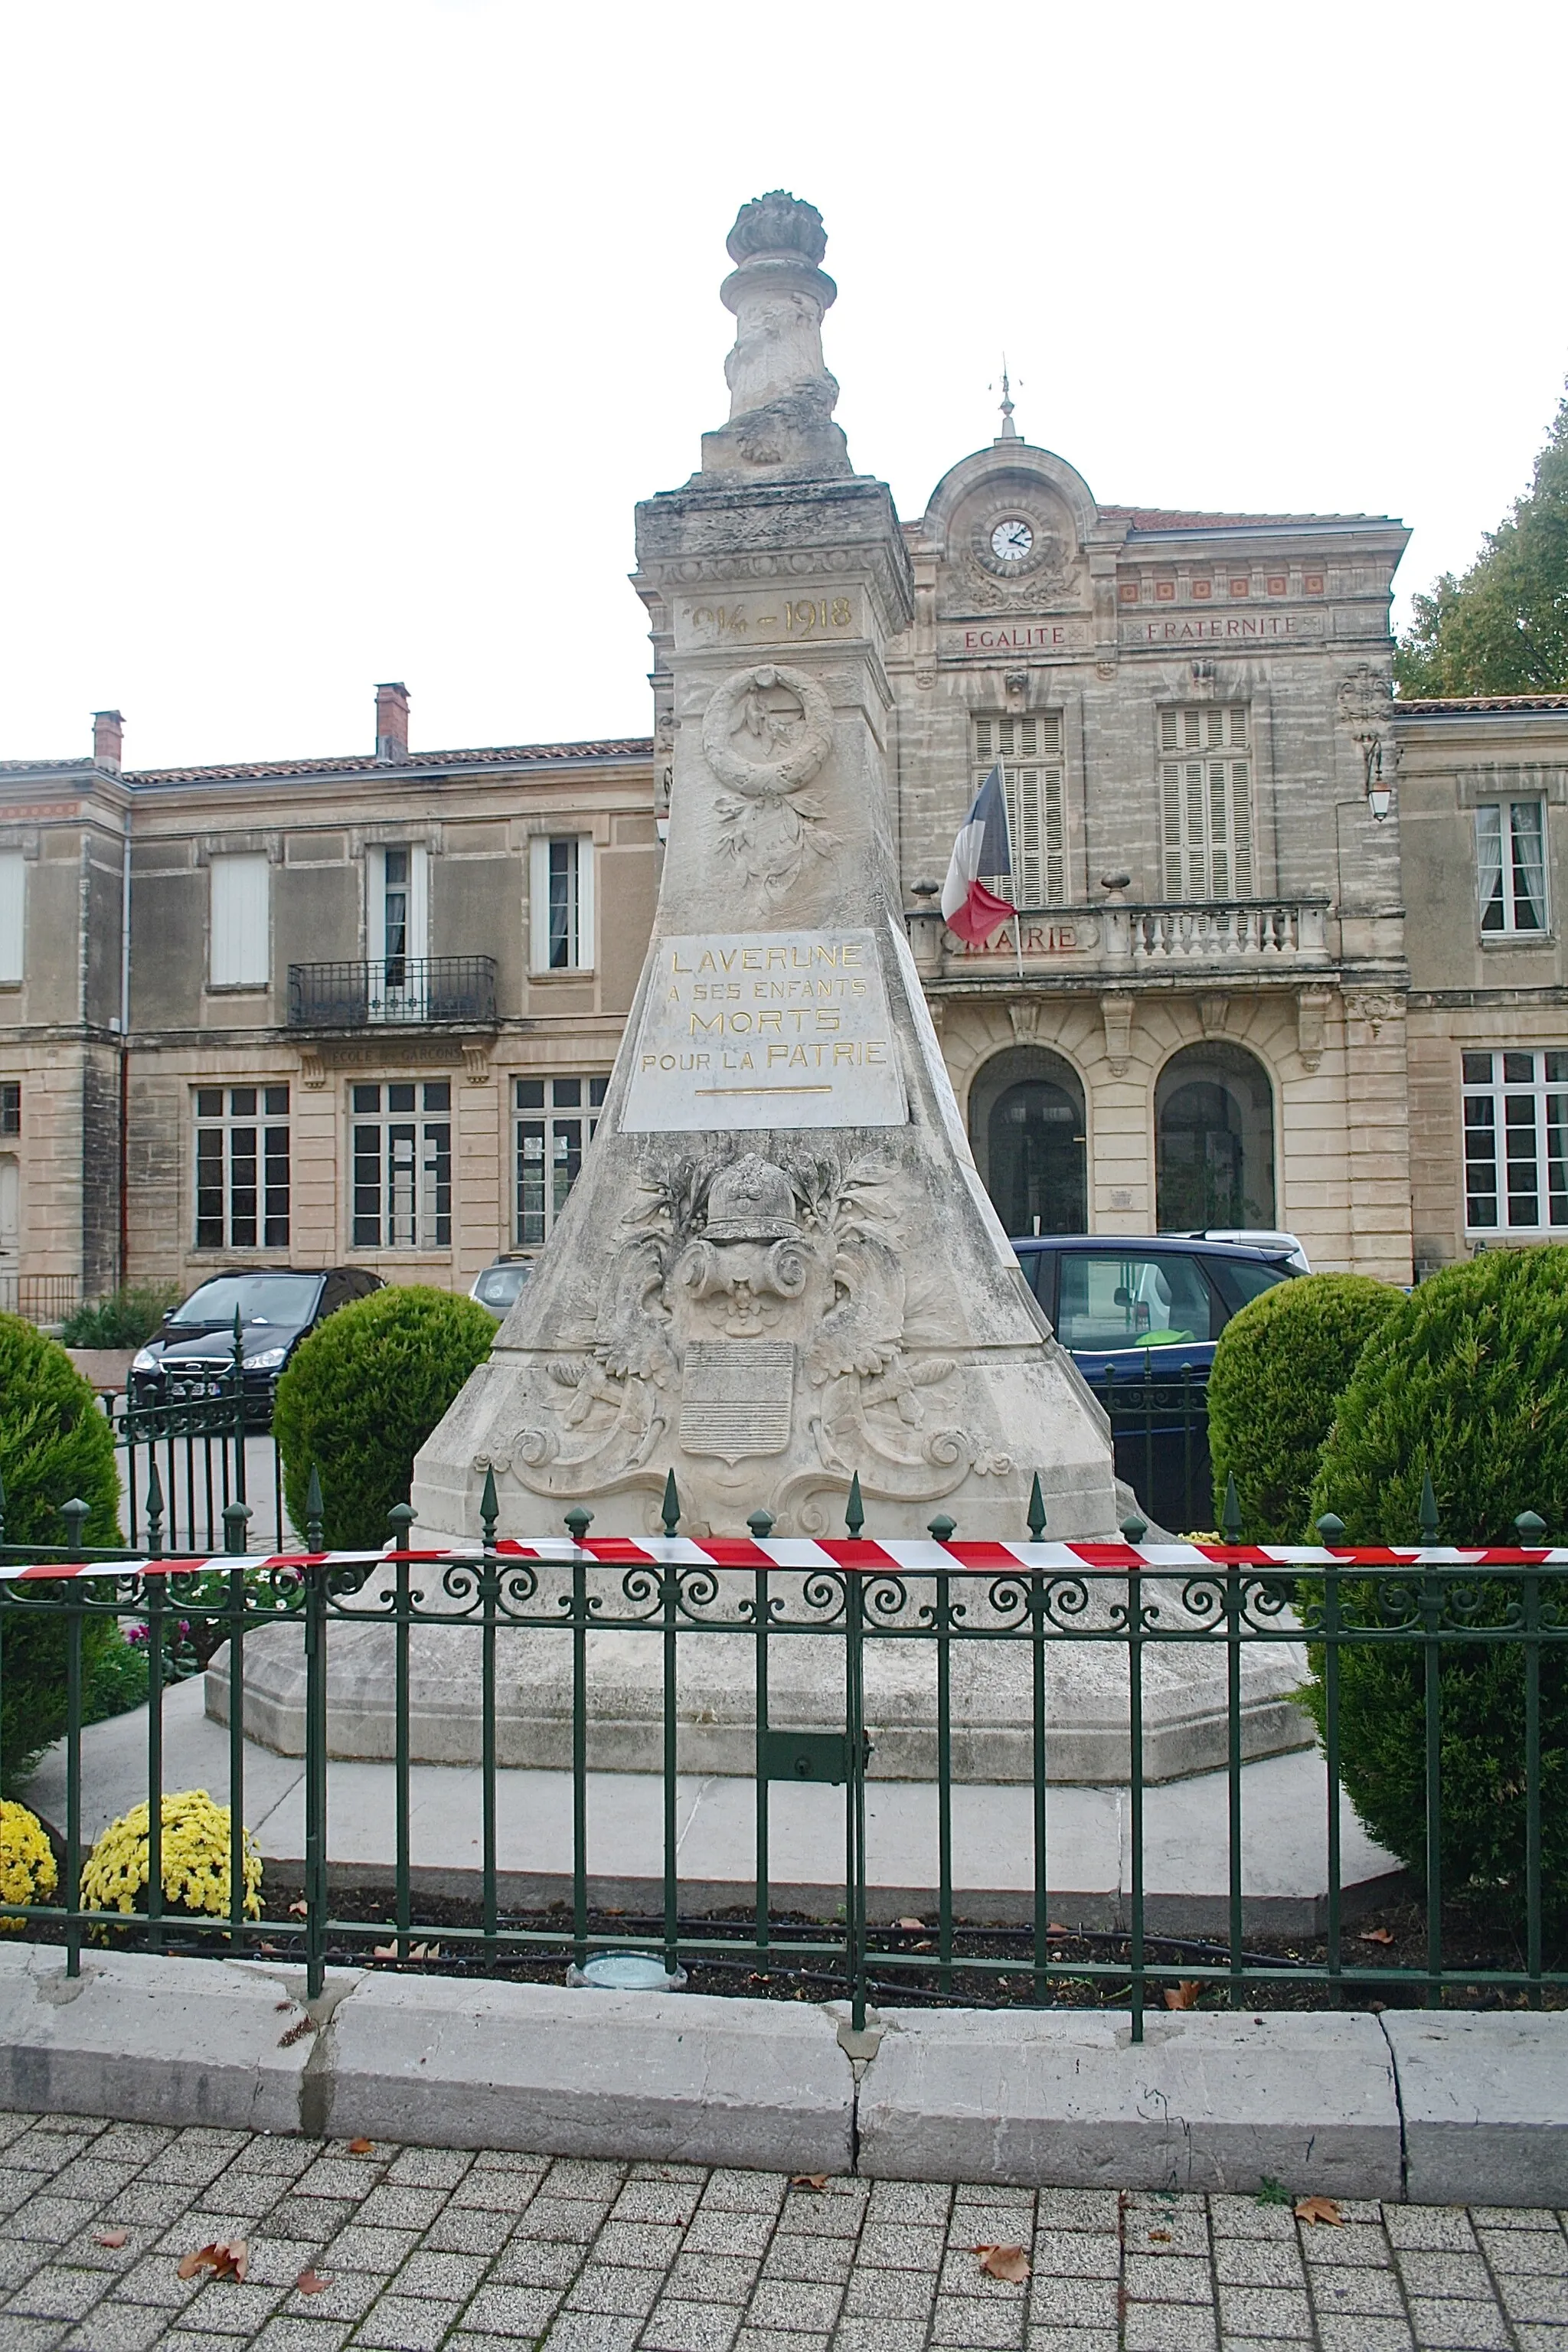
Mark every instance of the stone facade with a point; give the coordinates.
(1283, 942)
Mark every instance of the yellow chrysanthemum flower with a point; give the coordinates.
(196, 1860)
(27, 1872)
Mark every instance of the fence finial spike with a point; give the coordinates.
(1532, 1527)
(669, 1509)
(1330, 1528)
(1133, 1528)
(1428, 1509)
(941, 1529)
(854, 1510)
(314, 1512)
(1230, 1518)
(1037, 1512)
(761, 1525)
(76, 1515)
(490, 1506)
(577, 1521)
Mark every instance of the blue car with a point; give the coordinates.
(1140, 1320)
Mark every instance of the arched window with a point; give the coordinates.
(1026, 1125)
(1213, 1140)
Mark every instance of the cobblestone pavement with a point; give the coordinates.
(428, 2248)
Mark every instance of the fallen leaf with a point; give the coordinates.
(282, 2004)
(808, 2180)
(1008, 2263)
(299, 1910)
(296, 2033)
(1320, 2208)
(1159, 2237)
(1378, 1936)
(915, 1924)
(226, 2258)
(1183, 1995)
(361, 2147)
(312, 2281)
(113, 2238)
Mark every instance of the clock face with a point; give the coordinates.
(1012, 539)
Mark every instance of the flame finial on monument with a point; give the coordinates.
(781, 396)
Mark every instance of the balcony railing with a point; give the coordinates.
(1248, 931)
(38, 1297)
(397, 990)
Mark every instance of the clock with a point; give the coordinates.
(1011, 541)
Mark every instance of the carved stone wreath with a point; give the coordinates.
(801, 746)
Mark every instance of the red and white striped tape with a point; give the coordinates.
(900, 1557)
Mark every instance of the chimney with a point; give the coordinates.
(392, 724)
(108, 738)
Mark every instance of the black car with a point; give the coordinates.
(1119, 1306)
(193, 1355)
(1139, 1318)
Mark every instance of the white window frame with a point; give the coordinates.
(251, 1153)
(1522, 1105)
(547, 1136)
(1503, 883)
(1207, 831)
(13, 918)
(579, 939)
(1034, 782)
(415, 1165)
(239, 944)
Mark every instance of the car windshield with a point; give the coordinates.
(498, 1287)
(257, 1297)
(1128, 1301)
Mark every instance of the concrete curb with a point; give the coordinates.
(1068, 2097)
(1438, 2109)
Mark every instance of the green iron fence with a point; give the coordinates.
(1160, 1433)
(1441, 1607)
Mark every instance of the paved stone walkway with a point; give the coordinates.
(427, 2248)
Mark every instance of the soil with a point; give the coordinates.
(904, 1966)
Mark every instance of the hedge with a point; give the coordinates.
(1278, 1368)
(363, 1393)
(55, 1448)
(1467, 1380)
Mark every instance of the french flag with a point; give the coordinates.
(982, 848)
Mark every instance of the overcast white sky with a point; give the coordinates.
(341, 337)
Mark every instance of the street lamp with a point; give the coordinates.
(1379, 795)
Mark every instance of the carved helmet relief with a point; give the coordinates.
(766, 733)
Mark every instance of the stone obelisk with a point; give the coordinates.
(779, 1267)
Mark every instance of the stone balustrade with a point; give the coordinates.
(1252, 935)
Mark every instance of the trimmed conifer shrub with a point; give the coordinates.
(55, 1448)
(1278, 1369)
(1467, 1380)
(362, 1394)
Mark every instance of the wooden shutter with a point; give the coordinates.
(240, 945)
(1205, 802)
(1033, 785)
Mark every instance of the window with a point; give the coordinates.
(1516, 1142)
(561, 904)
(240, 956)
(1120, 1301)
(13, 905)
(1030, 751)
(1205, 802)
(402, 1165)
(11, 1107)
(397, 918)
(1511, 865)
(242, 1167)
(556, 1118)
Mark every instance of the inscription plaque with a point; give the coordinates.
(775, 1029)
(736, 1397)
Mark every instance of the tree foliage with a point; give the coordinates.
(1277, 1373)
(362, 1394)
(1502, 627)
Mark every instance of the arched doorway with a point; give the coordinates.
(1027, 1130)
(1213, 1140)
